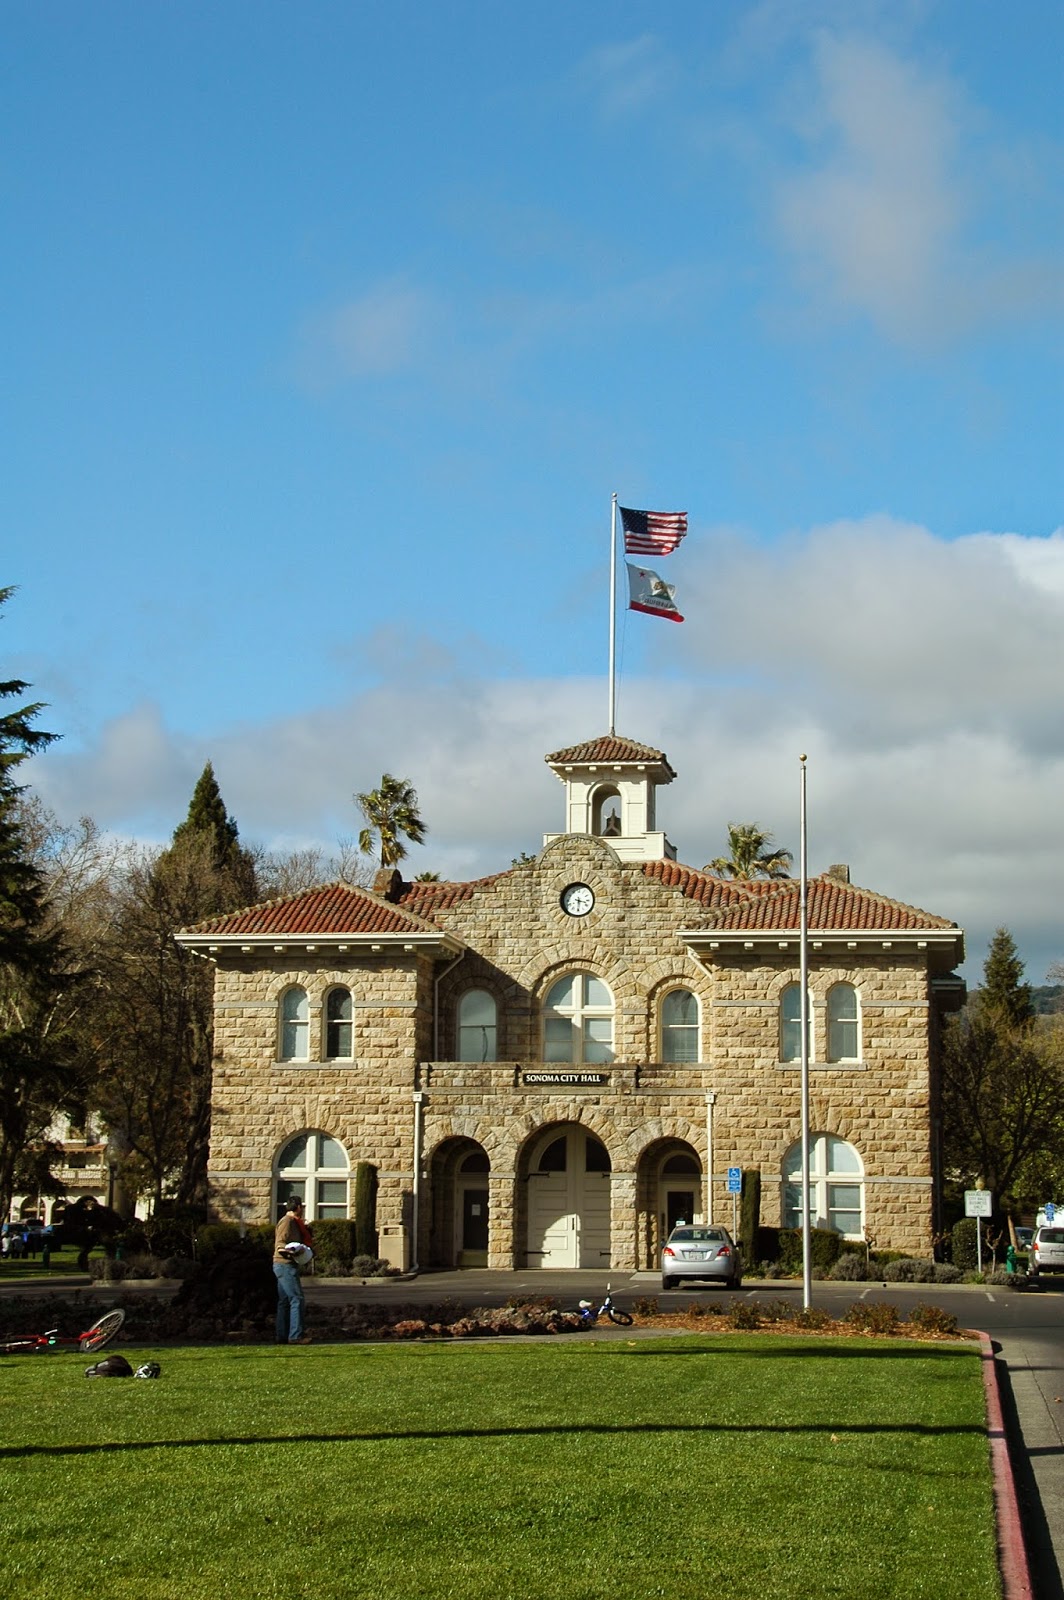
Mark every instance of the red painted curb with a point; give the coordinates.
(1012, 1551)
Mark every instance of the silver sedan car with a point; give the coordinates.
(695, 1251)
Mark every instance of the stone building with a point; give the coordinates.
(551, 1065)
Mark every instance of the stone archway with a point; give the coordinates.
(460, 1221)
(669, 1190)
(567, 1171)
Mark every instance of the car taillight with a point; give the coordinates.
(723, 1251)
(668, 1251)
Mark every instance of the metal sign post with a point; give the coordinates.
(978, 1203)
(735, 1189)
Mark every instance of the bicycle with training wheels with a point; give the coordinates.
(102, 1332)
(589, 1313)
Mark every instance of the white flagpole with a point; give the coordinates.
(613, 618)
(803, 1016)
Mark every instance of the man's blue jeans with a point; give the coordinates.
(289, 1303)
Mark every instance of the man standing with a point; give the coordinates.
(290, 1237)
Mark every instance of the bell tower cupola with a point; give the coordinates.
(610, 789)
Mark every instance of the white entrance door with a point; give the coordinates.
(569, 1202)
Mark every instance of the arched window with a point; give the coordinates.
(339, 1025)
(295, 1026)
(836, 1186)
(679, 1026)
(578, 1021)
(791, 1023)
(843, 1023)
(477, 1026)
(313, 1166)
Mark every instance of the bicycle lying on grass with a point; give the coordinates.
(587, 1311)
(102, 1332)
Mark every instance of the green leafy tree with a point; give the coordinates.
(750, 856)
(232, 867)
(1002, 1085)
(38, 1067)
(391, 815)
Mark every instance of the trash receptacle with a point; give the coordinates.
(394, 1246)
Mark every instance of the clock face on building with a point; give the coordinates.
(577, 900)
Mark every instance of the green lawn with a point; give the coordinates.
(748, 1467)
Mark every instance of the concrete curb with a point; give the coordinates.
(1012, 1551)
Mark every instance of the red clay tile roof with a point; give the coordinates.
(609, 747)
(701, 886)
(832, 906)
(329, 909)
(429, 899)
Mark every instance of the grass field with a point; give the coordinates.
(740, 1466)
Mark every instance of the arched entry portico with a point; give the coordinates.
(566, 1170)
(668, 1191)
(459, 1230)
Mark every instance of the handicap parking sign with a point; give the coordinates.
(735, 1180)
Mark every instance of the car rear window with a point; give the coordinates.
(1051, 1236)
(698, 1235)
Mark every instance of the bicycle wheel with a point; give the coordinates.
(103, 1331)
(622, 1318)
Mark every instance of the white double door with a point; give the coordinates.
(569, 1202)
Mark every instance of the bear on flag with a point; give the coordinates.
(647, 592)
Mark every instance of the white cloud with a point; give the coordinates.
(903, 184)
(921, 677)
(380, 332)
(628, 77)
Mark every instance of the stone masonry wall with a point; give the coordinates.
(521, 942)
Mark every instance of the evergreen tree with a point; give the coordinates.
(1001, 1084)
(156, 1010)
(1003, 991)
(37, 1058)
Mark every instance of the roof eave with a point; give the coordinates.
(440, 944)
(703, 940)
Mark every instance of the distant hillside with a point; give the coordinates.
(1048, 999)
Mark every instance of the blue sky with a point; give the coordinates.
(329, 330)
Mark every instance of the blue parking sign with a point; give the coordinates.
(735, 1180)
(1050, 1210)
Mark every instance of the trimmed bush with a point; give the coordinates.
(932, 1319)
(872, 1316)
(963, 1248)
(824, 1248)
(334, 1241)
(750, 1214)
(365, 1209)
(908, 1270)
(744, 1315)
(946, 1272)
(814, 1317)
(850, 1268)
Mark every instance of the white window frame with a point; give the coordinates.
(469, 1046)
(833, 1024)
(587, 1042)
(791, 1026)
(825, 1184)
(329, 1023)
(294, 1028)
(308, 1178)
(675, 1032)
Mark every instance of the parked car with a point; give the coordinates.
(1047, 1251)
(1025, 1238)
(695, 1252)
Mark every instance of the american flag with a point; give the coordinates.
(652, 533)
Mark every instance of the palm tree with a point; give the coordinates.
(391, 815)
(750, 855)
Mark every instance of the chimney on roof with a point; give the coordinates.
(840, 872)
(389, 884)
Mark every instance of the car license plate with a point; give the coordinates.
(694, 1255)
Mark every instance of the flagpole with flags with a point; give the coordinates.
(803, 1023)
(613, 617)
